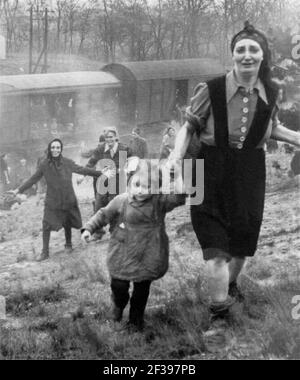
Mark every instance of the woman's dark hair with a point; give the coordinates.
(167, 130)
(49, 154)
(265, 72)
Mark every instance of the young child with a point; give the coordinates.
(139, 245)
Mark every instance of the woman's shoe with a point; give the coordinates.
(44, 256)
(68, 248)
(136, 326)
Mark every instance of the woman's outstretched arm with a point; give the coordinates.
(281, 133)
(84, 170)
(31, 181)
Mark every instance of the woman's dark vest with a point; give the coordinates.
(235, 178)
(217, 92)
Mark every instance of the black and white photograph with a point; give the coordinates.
(149, 182)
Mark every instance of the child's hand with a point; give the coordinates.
(86, 236)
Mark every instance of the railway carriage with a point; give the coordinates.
(35, 108)
(76, 106)
(153, 91)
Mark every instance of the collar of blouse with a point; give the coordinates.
(232, 86)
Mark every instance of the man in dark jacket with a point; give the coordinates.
(4, 174)
(295, 163)
(88, 154)
(109, 155)
(22, 173)
(137, 144)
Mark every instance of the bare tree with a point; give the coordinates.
(10, 10)
(59, 9)
(84, 26)
(142, 29)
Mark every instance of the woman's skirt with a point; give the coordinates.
(228, 221)
(57, 219)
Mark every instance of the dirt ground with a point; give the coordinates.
(83, 281)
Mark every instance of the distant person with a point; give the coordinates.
(41, 185)
(290, 116)
(139, 246)
(295, 163)
(108, 151)
(88, 153)
(168, 143)
(138, 145)
(102, 138)
(272, 146)
(22, 173)
(61, 206)
(4, 173)
(54, 128)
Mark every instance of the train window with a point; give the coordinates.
(182, 92)
(37, 101)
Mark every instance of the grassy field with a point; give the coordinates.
(60, 309)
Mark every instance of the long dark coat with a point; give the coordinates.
(61, 204)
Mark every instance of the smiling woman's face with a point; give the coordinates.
(247, 57)
(55, 149)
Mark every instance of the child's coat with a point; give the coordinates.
(139, 245)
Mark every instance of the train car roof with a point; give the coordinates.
(56, 82)
(169, 69)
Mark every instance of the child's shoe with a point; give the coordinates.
(221, 309)
(117, 313)
(44, 256)
(99, 235)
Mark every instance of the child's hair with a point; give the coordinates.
(152, 169)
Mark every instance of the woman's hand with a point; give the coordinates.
(86, 236)
(14, 192)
